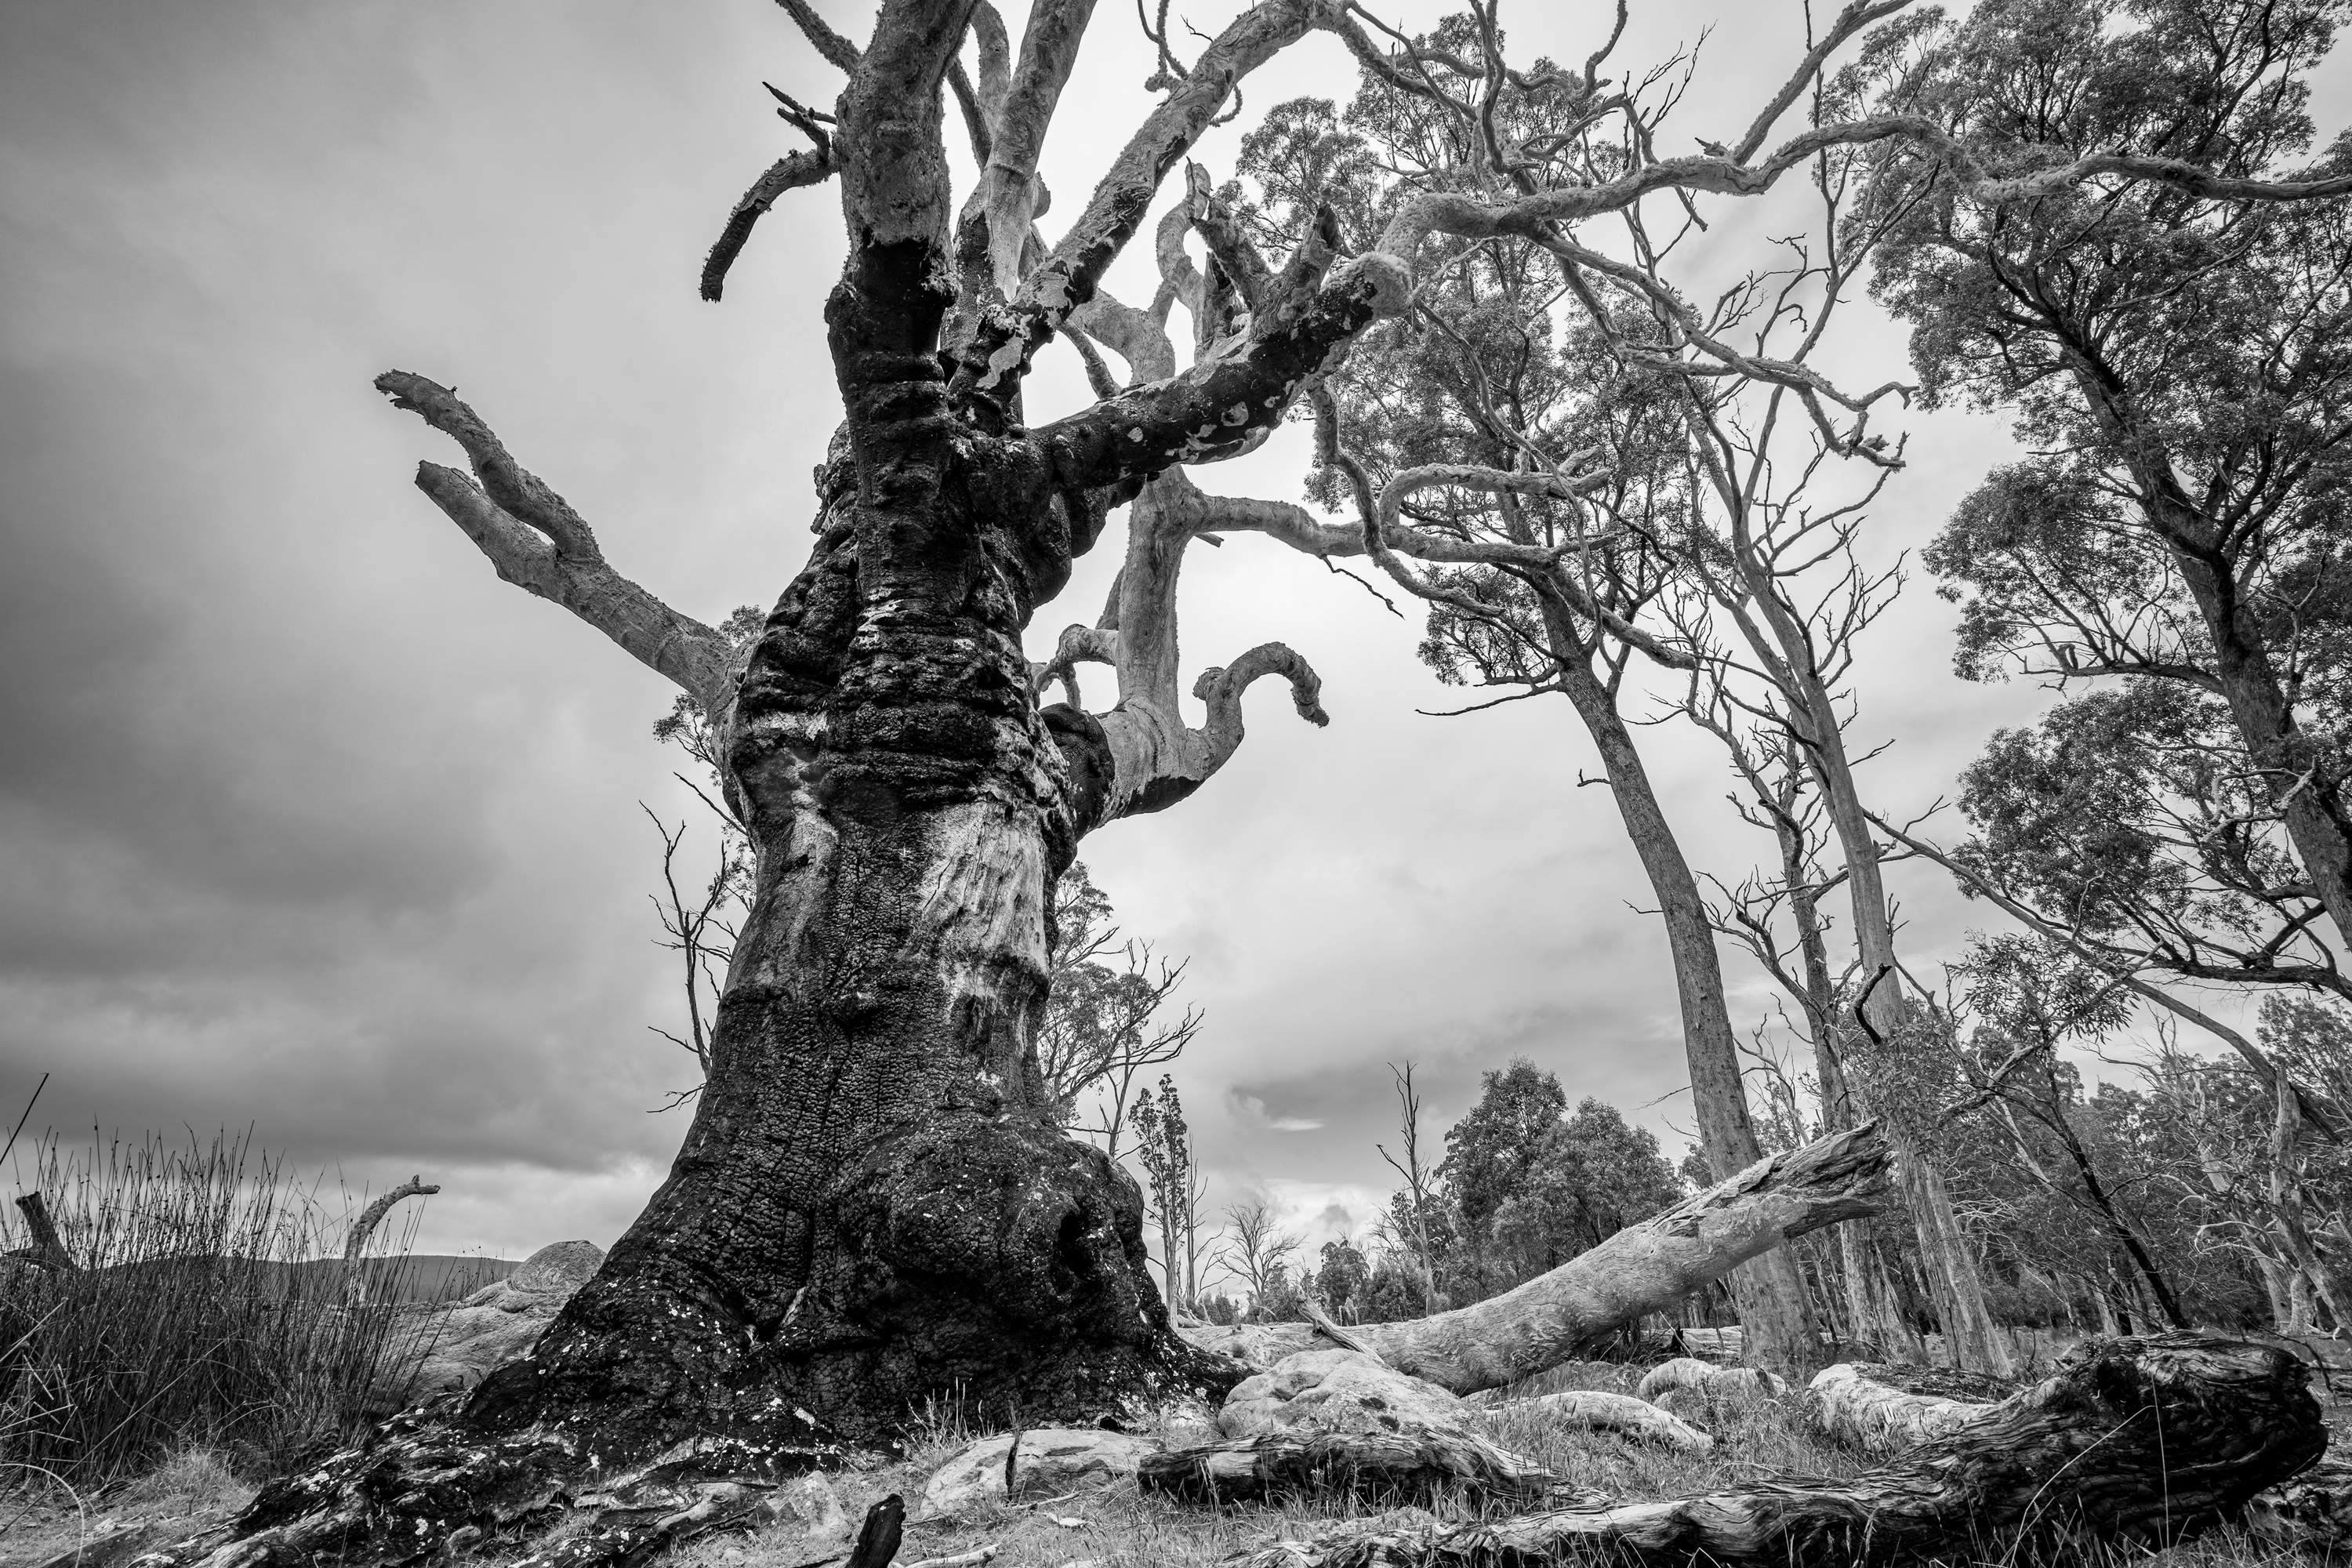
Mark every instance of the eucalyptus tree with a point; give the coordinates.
(1500, 437)
(2177, 358)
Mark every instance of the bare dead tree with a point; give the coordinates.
(1255, 1247)
(1419, 1179)
(1107, 1022)
(701, 930)
(830, 1247)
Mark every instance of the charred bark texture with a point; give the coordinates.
(1413, 1465)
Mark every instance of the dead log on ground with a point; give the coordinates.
(1416, 1463)
(2135, 1440)
(1854, 1407)
(2311, 1513)
(1619, 1413)
(1642, 1269)
(1887, 1409)
(1716, 1381)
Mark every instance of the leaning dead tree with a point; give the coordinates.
(1643, 1268)
(874, 1202)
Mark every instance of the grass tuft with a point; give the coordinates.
(208, 1315)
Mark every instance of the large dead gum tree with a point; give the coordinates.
(873, 1203)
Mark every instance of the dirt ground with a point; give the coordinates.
(1110, 1527)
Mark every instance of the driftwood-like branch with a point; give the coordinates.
(48, 1249)
(1865, 1408)
(1851, 1407)
(1621, 1413)
(535, 541)
(2132, 1440)
(1642, 1269)
(355, 1289)
(1528, 216)
(1159, 760)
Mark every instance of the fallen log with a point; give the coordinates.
(1851, 1406)
(1716, 1381)
(1416, 1463)
(1619, 1412)
(2136, 1440)
(2312, 1513)
(1642, 1269)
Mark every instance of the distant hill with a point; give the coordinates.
(423, 1278)
(427, 1276)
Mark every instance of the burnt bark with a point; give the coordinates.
(1413, 1465)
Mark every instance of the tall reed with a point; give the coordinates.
(210, 1306)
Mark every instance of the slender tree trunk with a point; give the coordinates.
(1954, 1281)
(2304, 781)
(1774, 1310)
(1953, 1276)
(1876, 1312)
(2117, 1225)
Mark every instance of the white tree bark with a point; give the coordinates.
(1642, 1270)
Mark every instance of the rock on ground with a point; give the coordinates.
(467, 1341)
(1338, 1391)
(1046, 1460)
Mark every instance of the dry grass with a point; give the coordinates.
(1121, 1527)
(208, 1313)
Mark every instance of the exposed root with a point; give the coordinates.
(422, 1488)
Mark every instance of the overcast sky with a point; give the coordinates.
(309, 823)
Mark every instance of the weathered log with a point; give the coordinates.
(1619, 1412)
(1850, 1405)
(1886, 1409)
(1718, 1381)
(2310, 1513)
(2138, 1440)
(1417, 1462)
(1642, 1269)
(48, 1249)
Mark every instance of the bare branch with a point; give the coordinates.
(1011, 333)
(788, 173)
(535, 541)
(837, 50)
